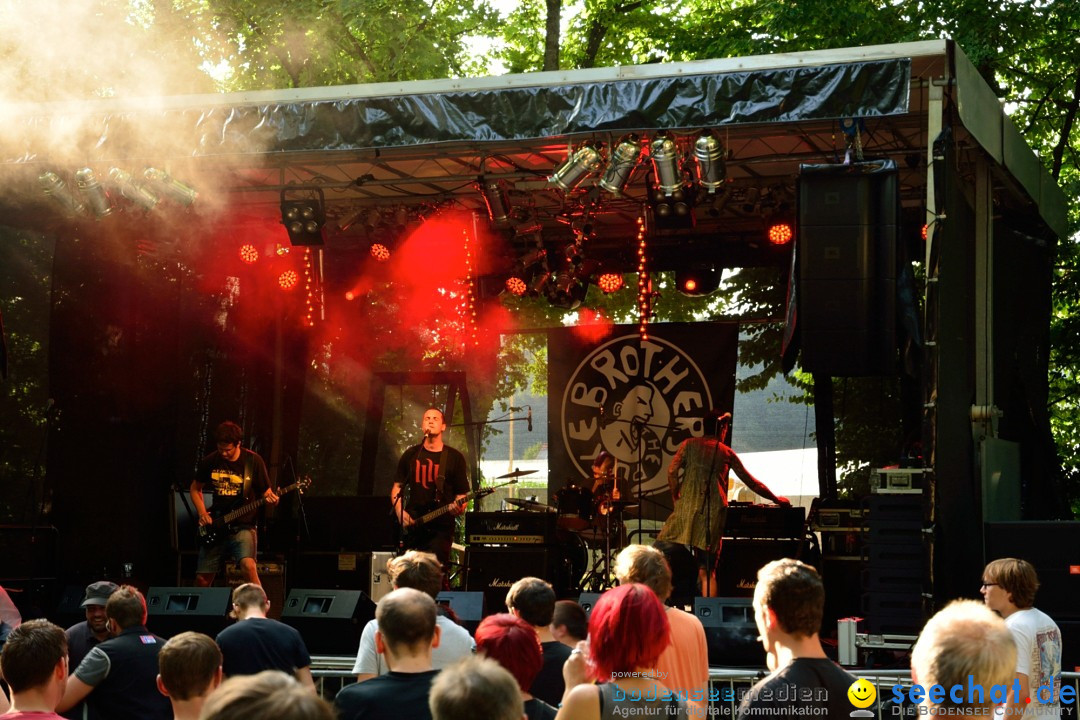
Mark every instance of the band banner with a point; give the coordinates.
(638, 400)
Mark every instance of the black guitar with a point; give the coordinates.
(417, 530)
(213, 533)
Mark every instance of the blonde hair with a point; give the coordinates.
(645, 565)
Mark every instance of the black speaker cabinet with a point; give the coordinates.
(468, 607)
(173, 610)
(1053, 547)
(272, 577)
(587, 600)
(492, 570)
(330, 621)
(740, 560)
(848, 231)
(730, 631)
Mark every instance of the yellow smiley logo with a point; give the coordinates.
(862, 693)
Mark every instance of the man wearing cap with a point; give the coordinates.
(87, 634)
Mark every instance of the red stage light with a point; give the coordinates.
(780, 234)
(924, 230)
(516, 286)
(249, 254)
(350, 295)
(690, 285)
(380, 252)
(288, 280)
(610, 282)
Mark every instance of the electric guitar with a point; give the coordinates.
(417, 529)
(221, 526)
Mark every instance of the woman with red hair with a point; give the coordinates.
(628, 629)
(514, 644)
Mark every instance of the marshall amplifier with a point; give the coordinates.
(746, 520)
(510, 528)
(493, 570)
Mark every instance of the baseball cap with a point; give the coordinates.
(98, 593)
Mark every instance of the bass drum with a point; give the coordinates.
(574, 507)
(570, 562)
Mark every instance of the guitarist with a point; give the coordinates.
(236, 476)
(429, 476)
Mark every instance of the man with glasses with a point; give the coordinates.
(1008, 588)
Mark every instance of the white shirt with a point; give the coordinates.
(1038, 655)
(455, 643)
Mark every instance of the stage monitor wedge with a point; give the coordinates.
(173, 610)
(330, 621)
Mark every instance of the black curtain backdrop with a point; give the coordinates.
(636, 400)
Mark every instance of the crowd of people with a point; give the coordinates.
(542, 660)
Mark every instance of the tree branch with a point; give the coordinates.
(1066, 127)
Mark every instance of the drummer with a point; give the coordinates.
(607, 488)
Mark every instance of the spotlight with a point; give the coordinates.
(709, 153)
(665, 159)
(515, 285)
(133, 190)
(497, 201)
(305, 219)
(674, 210)
(55, 188)
(610, 282)
(698, 281)
(780, 233)
(170, 187)
(249, 254)
(582, 162)
(567, 291)
(624, 158)
(288, 280)
(94, 192)
(380, 252)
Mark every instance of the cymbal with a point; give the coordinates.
(529, 505)
(624, 504)
(515, 474)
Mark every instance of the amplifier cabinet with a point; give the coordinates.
(740, 560)
(493, 570)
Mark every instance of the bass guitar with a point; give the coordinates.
(222, 526)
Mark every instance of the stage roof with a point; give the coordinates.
(386, 155)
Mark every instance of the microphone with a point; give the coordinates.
(530, 418)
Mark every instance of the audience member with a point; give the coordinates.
(269, 695)
(510, 641)
(9, 615)
(34, 665)
(684, 664)
(964, 640)
(119, 676)
(628, 631)
(407, 632)
(189, 669)
(88, 633)
(789, 601)
(569, 625)
(475, 689)
(255, 642)
(420, 571)
(1008, 588)
(533, 600)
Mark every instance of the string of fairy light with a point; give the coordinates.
(644, 294)
(468, 302)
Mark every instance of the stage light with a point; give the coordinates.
(304, 219)
(497, 201)
(665, 160)
(350, 295)
(249, 254)
(133, 190)
(567, 292)
(624, 158)
(94, 192)
(170, 187)
(584, 161)
(610, 282)
(709, 153)
(516, 285)
(288, 280)
(780, 233)
(925, 229)
(697, 282)
(380, 252)
(55, 188)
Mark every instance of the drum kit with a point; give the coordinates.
(588, 526)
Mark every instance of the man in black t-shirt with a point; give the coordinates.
(788, 604)
(256, 643)
(430, 476)
(236, 476)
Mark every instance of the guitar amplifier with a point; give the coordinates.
(510, 528)
(746, 520)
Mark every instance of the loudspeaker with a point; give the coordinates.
(848, 230)
(173, 610)
(467, 607)
(740, 560)
(1053, 548)
(272, 577)
(587, 601)
(492, 570)
(730, 631)
(330, 621)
